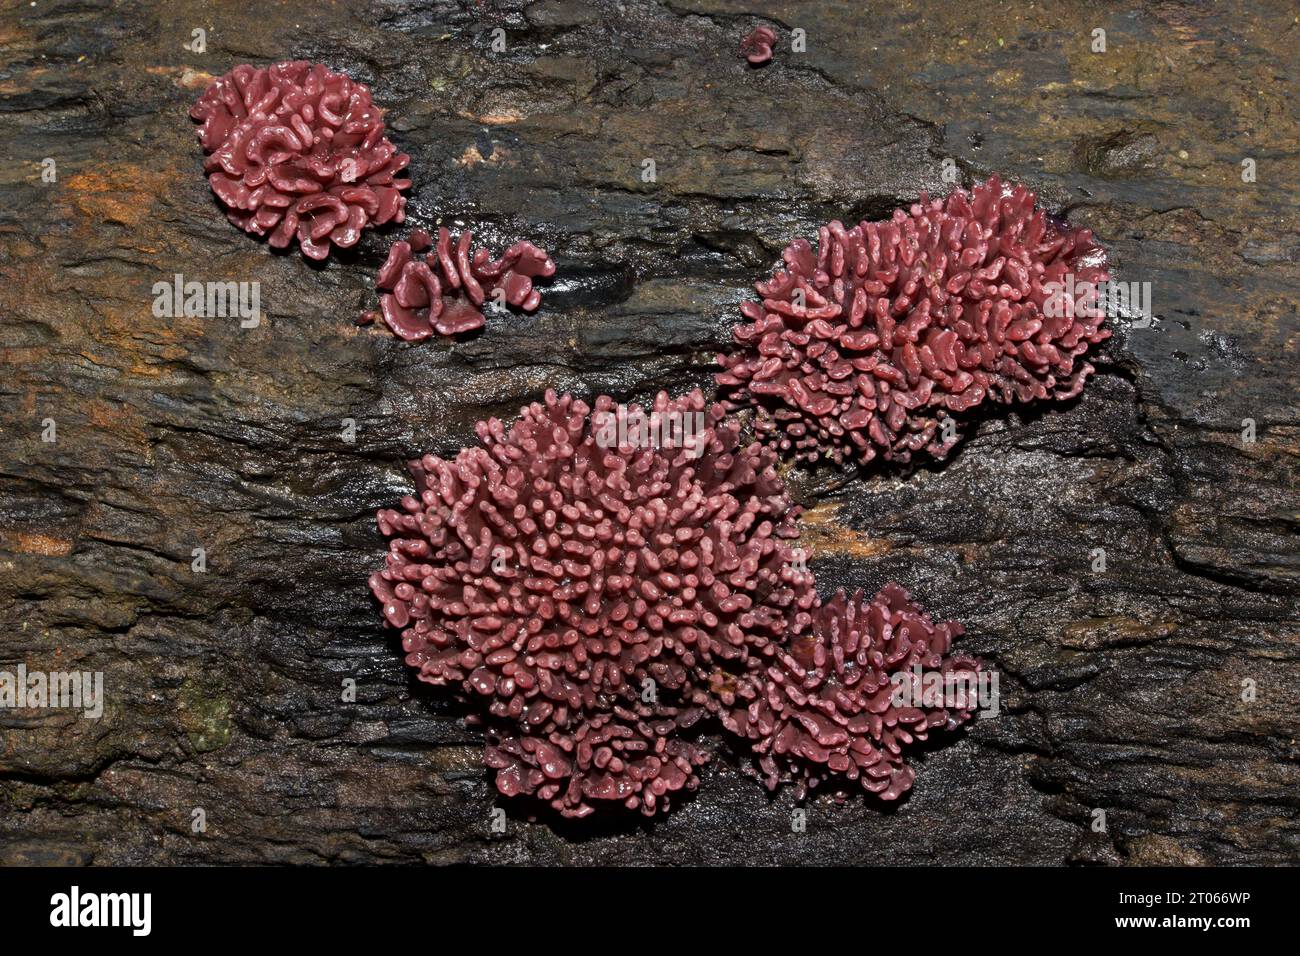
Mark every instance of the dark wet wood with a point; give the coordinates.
(1122, 690)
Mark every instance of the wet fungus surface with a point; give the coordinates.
(297, 153)
(877, 341)
(598, 594)
(444, 290)
(756, 45)
(840, 703)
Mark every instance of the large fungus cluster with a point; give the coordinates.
(444, 290)
(601, 578)
(297, 152)
(872, 342)
(585, 585)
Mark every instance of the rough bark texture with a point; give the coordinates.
(1122, 689)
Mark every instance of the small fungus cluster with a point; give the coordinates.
(297, 152)
(756, 45)
(871, 342)
(444, 291)
(841, 702)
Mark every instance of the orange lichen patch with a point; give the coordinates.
(131, 324)
(124, 334)
(31, 542)
(121, 193)
(1185, 28)
(821, 533)
(26, 82)
(721, 682)
(127, 337)
(120, 420)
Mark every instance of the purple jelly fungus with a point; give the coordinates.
(879, 339)
(297, 152)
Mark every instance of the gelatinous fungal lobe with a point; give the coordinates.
(444, 290)
(871, 342)
(298, 152)
(631, 755)
(586, 559)
(842, 702)
(756, 45)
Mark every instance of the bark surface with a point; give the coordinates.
(1122, 689)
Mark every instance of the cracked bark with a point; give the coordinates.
(1121, 690)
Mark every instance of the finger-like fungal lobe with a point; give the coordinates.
(843, 701)
(297, 152)
(756, 45)
(877, 341)
(444, 289)
(631, 755)
(586, 574)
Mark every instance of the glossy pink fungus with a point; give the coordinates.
(872, 342)
(298, 153)
(840, 703)
(444, 290)
(756, 46)
(588, 581)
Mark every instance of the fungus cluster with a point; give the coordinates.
(841, 702)
(756, 45)
(298, 153)
(869, 344)
(587, 585)
(601, 587)
(444, 291)
(601, 578)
